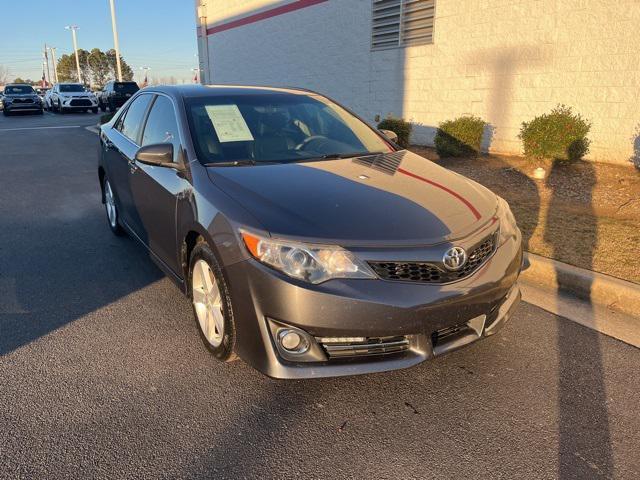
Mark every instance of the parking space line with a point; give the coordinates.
(38, 128)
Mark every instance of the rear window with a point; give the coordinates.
(18, 89)
(129, 87)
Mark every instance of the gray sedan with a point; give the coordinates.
(309, 243)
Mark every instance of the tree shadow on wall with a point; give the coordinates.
(635, 158)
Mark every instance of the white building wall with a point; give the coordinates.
(504, 60)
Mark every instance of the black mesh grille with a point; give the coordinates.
(80, 102)
(431, 273)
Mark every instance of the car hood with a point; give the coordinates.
(76, 94)
(398, 198)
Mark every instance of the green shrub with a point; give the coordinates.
(461, 137)
(400, 127)
(560, 134)
(106, 117)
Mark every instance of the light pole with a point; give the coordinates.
(146, 72)
(205, 75)
(115, 38)
(46, 59)
(73, 29)
(53, 60)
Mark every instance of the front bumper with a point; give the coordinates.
(23, 107)
(79, 103)
(370, 308)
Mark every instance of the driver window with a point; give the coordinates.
(161, 125)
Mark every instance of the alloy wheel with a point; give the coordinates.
(110, 205)
(207, 302)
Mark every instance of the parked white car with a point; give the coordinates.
(65, 97)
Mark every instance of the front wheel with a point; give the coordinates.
(112, 210)
(211, 303)
(94, 110)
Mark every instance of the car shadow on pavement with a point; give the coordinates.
(58, 271)
(585, 449)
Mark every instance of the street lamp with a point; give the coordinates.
(146, 70)
(73, 29)
(55, 66)
(115, 38)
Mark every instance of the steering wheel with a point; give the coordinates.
(302, 145)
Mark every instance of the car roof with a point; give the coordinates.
(18, 85)
(196, 90)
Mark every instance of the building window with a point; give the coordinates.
(399, 23)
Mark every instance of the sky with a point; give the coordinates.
(159, 34)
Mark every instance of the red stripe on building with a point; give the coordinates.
(473, 209)
(274, 12)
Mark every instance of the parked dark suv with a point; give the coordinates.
(115, 94)
(309, 243)
(18, 97)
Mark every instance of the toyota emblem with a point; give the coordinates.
(454, 258)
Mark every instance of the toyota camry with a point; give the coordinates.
(309, 243)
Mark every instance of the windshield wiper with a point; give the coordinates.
(231, 163)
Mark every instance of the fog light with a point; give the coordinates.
(292, 341)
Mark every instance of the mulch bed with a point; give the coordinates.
(585, 214)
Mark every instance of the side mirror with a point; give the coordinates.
(390, 134)
(159, 155)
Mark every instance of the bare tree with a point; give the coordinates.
(4, 75)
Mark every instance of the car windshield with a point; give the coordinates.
(71, 88)
(276, 127)
(18, 90)
(125, 87)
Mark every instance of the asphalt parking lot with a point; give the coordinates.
(102, 373)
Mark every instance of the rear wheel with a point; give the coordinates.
(211, 303)
(111, 209)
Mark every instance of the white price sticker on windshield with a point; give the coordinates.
(229, 123)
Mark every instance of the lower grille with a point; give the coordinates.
(431, 273)
(23, 100)
(367, 347)
(80, 103)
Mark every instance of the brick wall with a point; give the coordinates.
(504, 60)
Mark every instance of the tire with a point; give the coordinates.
(94, 110)
(41, 111)
(103, 107)
(5, 112)
(220, 344)
(110, 106)
(60, 108)
(110, 202)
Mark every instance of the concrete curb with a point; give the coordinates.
(597, 288)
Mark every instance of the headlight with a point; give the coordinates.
(312, 263)
(508, 226)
